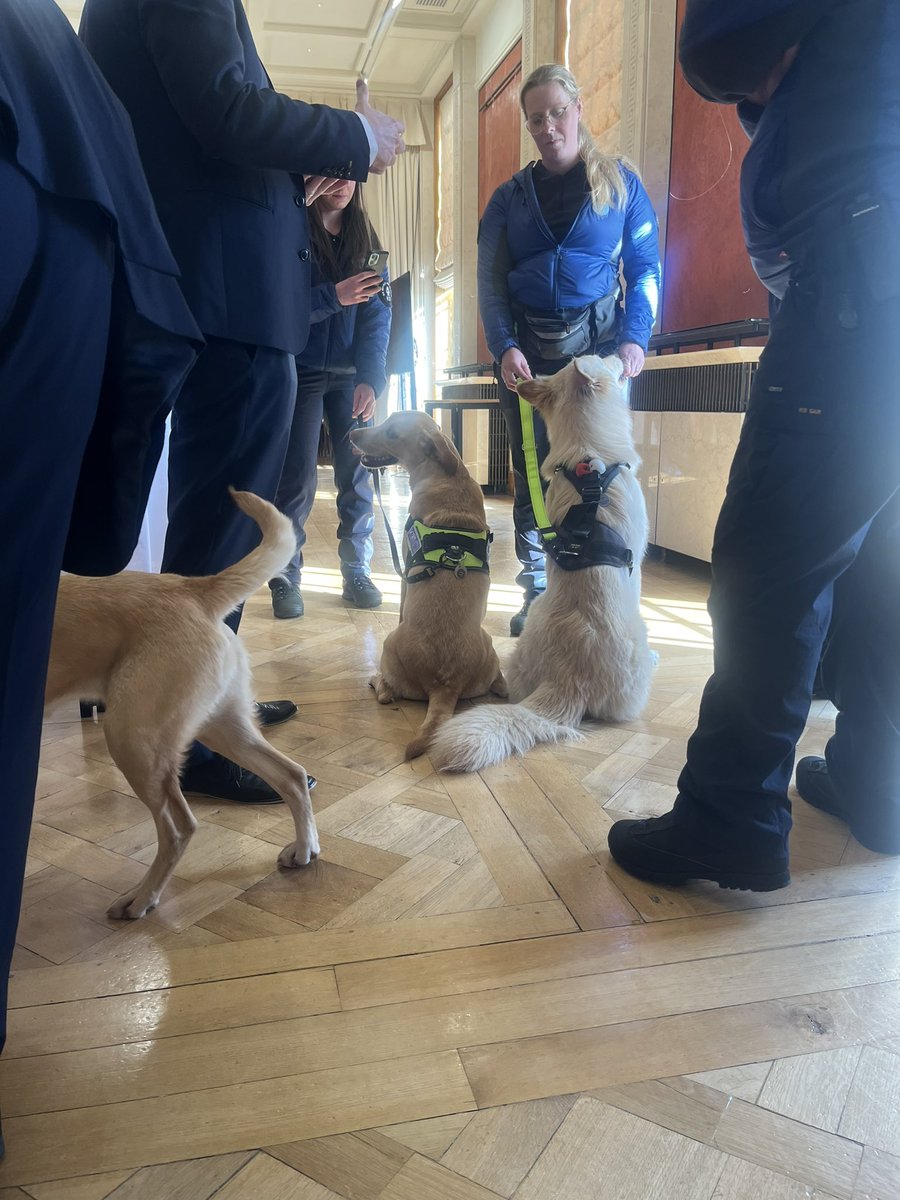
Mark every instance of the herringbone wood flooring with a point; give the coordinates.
(463, 999)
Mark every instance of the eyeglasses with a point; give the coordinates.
(537, 121)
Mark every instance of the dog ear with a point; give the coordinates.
(586, 377)
(441, 450)
(536, 391)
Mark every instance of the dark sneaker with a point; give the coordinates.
(273, 712)
(816, 788)
(287, 602)
(659, 851)
(224, 780)
(517, 623)
(361, 591)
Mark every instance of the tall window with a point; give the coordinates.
(445, 183)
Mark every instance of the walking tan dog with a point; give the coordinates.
(584, 648)
(155, 649)
(439, 652)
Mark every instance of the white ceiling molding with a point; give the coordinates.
(322, 45)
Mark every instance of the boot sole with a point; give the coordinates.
(731, 881)
(356, 604)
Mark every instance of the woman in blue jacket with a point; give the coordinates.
(550, 246)
(339, 375)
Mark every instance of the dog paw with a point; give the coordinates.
(130, 908)
(298, 855)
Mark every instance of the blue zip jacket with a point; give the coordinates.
(345, 340)
(520, 261)
(829, 133)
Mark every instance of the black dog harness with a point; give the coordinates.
(580, 540)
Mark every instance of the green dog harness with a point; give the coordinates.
(430, 550)
(581, 540)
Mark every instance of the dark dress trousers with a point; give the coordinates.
(95, 341)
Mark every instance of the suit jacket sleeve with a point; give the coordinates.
(200, 58)
(728, 47)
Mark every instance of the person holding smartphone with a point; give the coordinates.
(339, 376)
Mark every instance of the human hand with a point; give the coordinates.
(363, 401)
(388, 132)
(359, 288)
(632, 357)
(320, 185)
(514, 366)
(767, 88)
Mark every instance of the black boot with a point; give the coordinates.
(287, 603)
(222, 779)
(517, 623)
(662, 851)
(361, 591)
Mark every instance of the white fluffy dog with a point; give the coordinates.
(584, 648)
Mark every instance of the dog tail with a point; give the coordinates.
(441, 705)
(220, 594)
(492, 732)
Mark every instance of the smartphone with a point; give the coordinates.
(376, 260)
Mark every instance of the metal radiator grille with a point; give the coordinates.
(716, 388)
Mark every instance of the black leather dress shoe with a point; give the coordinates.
(268, 712)
(273, 712)
(224, 780)
(816, 788)
(659, 851)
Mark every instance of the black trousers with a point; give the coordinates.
(55, 286)
(808, 544)
(320, 394)
(230, 425)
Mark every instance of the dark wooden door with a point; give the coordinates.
(499, 126)
(708, 278)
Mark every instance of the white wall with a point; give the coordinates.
(495, 27)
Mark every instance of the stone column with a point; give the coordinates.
(648, 75)
(538, 46)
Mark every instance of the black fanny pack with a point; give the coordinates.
(567, 333)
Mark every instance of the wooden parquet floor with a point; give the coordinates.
(464, 999)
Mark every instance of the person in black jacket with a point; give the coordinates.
(339, 376)
(95, 340)
(225, 157)
(807, 547)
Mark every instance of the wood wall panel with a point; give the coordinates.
(708, 278)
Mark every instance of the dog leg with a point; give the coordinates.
(232, 732)
(174, 825)
(383, 693)
(500, 687)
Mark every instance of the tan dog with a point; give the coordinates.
(584, 649)
(155, 649)
(439, 652)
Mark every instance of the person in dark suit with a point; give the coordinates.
(225, 157)
(807, 545)
(95, 341)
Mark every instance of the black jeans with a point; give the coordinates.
(320, 394)
(809, 534)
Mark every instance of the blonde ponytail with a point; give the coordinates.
(604, 173)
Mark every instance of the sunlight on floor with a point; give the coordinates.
(503, 597)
